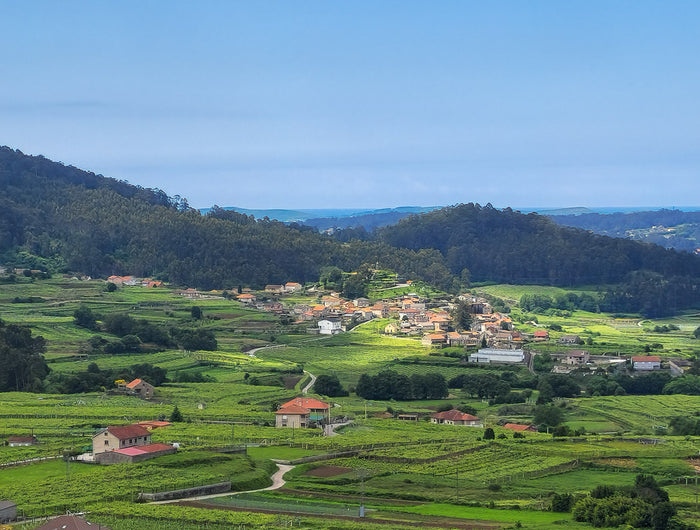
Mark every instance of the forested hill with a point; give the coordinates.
(507, 246)
(57, 217)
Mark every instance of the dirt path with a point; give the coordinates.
(277, 482)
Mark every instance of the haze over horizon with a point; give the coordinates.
(363, 105)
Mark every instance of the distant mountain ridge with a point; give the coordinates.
(306, 215)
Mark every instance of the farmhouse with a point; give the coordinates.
(456, 417)
(113, 438)
(246, 298)
(493, 355)
(518, 427)
(140, 388)
(577, 357)
(292, 416)
(329, 326)
(272, 288)
(541, 335)
(22, 441)
(434, 339)
(570, 339)
(646, 362)
(318, 410)
(292, 287)
(126, 444)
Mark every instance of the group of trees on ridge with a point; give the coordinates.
(56, 217)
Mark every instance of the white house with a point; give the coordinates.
(329, 326)
(493, 355)
(646, 362)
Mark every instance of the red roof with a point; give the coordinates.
(541, 333)
(124, 432)
(454, 415)
(309, 403)
(518, 427)
(646, 359)
(22, 439)
(134, 383)
(293, 409)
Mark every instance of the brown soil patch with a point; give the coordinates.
(290, 381)
(695, 463)
(629, 463)
(327, 471)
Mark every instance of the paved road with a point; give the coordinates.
(306, 389)
(277, 482)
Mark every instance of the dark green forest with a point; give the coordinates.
(59, 218)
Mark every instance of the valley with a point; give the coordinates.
(403, 472)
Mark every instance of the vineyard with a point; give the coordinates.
(404, 470)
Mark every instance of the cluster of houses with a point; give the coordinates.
(131, 281)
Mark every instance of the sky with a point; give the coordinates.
(363, 104)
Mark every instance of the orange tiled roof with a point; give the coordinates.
(309, 403)
(127, 431)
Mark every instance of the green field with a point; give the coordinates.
(406, 472)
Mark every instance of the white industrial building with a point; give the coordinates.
(494, 355)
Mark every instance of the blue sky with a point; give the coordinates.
(364, 104)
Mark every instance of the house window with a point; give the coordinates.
(106, 442)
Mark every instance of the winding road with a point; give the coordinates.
(308, 386)
(277, 482)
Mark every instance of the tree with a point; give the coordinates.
(110, 287)
(696, 333)
(365, 387)
(329, 385)
(546, 392)
(84, 317)
(548, 415)
(176, 415)
(22, 365)
(562, 502)
(354, 287)
(196, 312)
(462, 317)
(489, 434)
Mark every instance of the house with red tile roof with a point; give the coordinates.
(120, 437)
(22, 441)
(317, 409)
(140, 388)
(541, 335)
(246, 298)
(292, 416)
(646, 362)
(456, 417)
(434, 339)
(518, 427)
(292, 287)
(126, 444)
